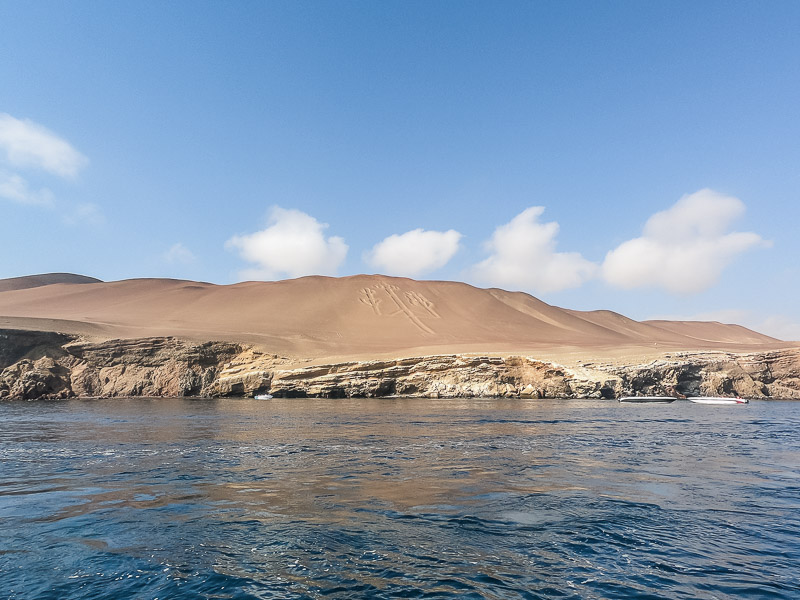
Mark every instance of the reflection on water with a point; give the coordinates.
(182, 498)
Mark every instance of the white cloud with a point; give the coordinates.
(414, 252)
(28, 144)
(683, 249)
(15, 188)
(523, 256)
(292, 245)
(179, 254)
(87, 213)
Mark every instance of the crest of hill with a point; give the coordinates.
(713, 331)
(348, 316)
(33, 281)
(641, 331)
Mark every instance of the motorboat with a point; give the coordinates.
(262, 396)
(647, 399)
(717, 400)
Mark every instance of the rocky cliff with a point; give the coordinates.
(51, 365)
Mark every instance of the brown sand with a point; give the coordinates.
(358, 317)
(31, 281)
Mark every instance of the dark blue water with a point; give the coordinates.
(498, 499)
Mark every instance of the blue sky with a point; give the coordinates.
(220, 141)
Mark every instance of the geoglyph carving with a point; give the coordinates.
(369, 298)
(411, 305)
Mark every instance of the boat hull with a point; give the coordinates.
(647, 399)
(718, 400)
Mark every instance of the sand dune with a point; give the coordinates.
(31, 281)
(713, 331)
(360, 315)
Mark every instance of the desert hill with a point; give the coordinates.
(360, 315)
(712, 331)
(31, 281)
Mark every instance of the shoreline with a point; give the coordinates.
(42, 364)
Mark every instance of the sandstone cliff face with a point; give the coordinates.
(146, 367)
(47, 365)
(28, 367)
(59, 366)
(431, 376)
(773, 374)
(16, 345)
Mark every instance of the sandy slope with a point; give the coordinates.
(358, 316)
(31, 281)
(712, 331)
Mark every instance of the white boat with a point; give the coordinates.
(717, 400)
(262, 396)
(645, 399)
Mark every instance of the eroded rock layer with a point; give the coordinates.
(51, 365)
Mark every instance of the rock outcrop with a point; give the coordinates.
(146, 367)
(43, 365)
(430, 376)
(50, 365)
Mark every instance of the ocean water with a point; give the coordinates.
(401, 498)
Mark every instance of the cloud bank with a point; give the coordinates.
(523, 256)
(293, 245)
(29, 145)
(683, 249)
(414, 253)
(13, 187)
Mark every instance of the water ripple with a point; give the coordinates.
(398, 499)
